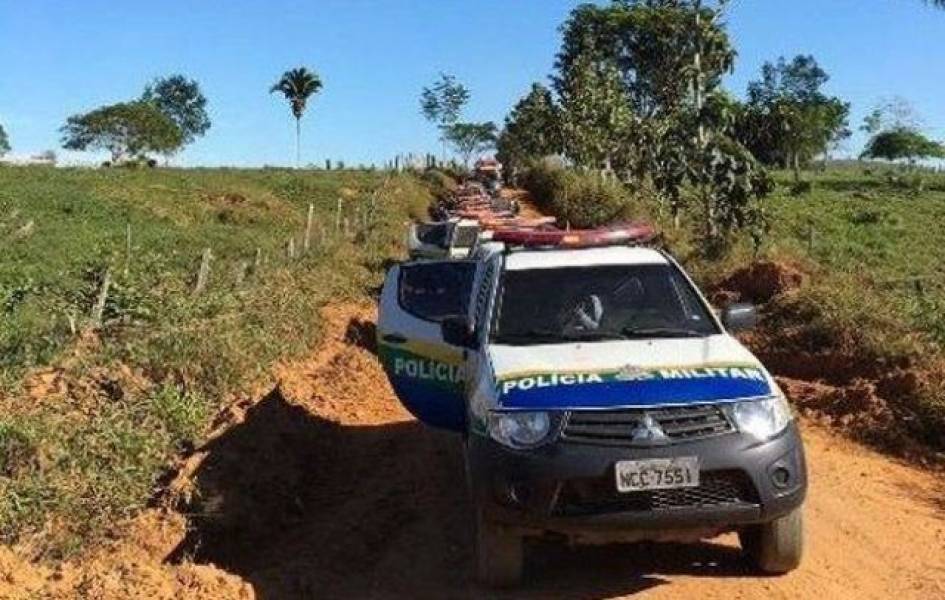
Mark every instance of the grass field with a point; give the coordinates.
(91, 413)
(870, 313)
(862, 225)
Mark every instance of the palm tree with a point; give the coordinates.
(298, 85)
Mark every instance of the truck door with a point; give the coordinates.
(427, 374)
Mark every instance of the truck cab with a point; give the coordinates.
(598, 397)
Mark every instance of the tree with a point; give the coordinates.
(182, 101)
(126, 129)
(597, 118)
(653, 44)
(532, 130)
(903, 143)
(4, 141)
(891, 113)
(297, 85)
(787, 119)
(442, 103)
(468, 139)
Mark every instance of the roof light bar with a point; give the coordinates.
(624, 233)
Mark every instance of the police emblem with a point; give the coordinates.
(633, 373)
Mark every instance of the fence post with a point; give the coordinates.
(338, 216)
(307, 242)
(127, 248)
(204, 273)
(290, 248)
(98, 311)
(241, 271)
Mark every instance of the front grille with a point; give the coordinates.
(600, 496)
(617, 427)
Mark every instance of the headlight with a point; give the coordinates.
(762, 419)
(520, 429)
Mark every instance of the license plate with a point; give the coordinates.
(657, 474)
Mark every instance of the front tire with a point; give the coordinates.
(499, 554)
(775, 547)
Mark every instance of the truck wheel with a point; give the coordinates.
(775, 547)
(499, 554)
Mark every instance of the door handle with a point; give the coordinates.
(394, 338)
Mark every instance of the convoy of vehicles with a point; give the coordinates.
(599, 397)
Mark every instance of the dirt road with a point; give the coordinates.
(325, 488)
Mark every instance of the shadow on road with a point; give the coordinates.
(303, 507)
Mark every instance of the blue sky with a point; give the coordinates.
(60, 57)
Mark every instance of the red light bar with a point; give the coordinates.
(480, 214)
(623, 233)
(512, 223)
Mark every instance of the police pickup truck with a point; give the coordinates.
(599, 398)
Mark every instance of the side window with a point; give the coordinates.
(435, 291)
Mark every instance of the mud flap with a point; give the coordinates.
(427, 374)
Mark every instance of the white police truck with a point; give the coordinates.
(599, 397)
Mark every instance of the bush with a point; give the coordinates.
(581, 199)
(801, 188)
(440, 182)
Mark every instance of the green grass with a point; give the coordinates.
(887, 236)
(146, 383)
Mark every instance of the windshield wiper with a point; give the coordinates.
(660, 332)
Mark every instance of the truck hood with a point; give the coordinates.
(624, 374)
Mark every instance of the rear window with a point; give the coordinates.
(435, 291)
(433, 233)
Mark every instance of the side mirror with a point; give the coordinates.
(739, 317)
(457, 331)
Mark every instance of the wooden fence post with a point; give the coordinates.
(70, 317)
(204, 273)
(338, 217)
(127, 249)
(290, 248)
(307, 242)
(98, 311)
(241, 271)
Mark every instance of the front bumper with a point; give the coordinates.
(570, 488)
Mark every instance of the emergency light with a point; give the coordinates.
(623, 233)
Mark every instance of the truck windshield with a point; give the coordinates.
(608, 302)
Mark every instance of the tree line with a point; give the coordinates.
(636, 92)
(170, 114)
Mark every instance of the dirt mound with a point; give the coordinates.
(760, 282)
(861, 411)
(132, 566)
